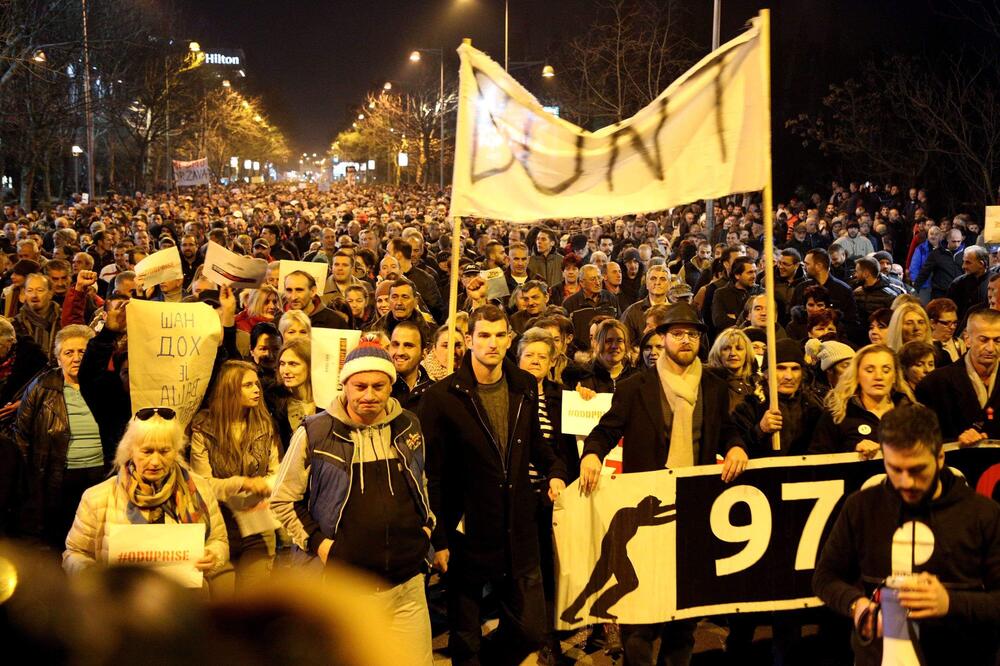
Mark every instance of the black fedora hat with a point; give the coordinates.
(680, 313)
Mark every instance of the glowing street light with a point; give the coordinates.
(226, 83)
(40, 57)
(194, 47)
(371, 104)
(257, 118)
(76, 150)
(388, 84)
(415, 56)
(548, 72)
(361, 116)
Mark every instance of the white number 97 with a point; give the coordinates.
(757, 533)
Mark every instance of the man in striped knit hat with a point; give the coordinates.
(352, 488)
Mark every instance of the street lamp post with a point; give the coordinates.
(88, 110)
(76, 150)
(415, 57)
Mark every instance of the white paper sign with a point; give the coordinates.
(991, 230)
(171, 352)
(496, 283)
(317, 269)
(171, 549)
(330, 347)
(255, 520)
(226, 268)
(579, 416)
(159, 267)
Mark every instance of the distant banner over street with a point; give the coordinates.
(191, 173)
(700, 138)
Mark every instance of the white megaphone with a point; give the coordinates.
(912, 545)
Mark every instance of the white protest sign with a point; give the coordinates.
(195, 172)
(329, 350)
(171, 354)
(317, 269)
(171, 549)
(496, 283)
(991, 230)
(159, 267)
(226, 268)
(579, 416)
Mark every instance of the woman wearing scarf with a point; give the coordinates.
(151, 486)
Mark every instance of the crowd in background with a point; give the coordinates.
(881, 300)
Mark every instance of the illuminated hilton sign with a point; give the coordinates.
(221, 59)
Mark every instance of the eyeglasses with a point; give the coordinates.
(682, 334)
(953, 322)
(148, 412)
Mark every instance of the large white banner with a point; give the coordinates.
(679, 543)
(171, 352)
(195, 172)
(700, 138)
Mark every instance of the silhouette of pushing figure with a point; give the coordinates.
(614, 558)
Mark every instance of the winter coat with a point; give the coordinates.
(316, 487)
(43, 437)
(107, 504)
(637, 415)
(940, 268)
(920, 254)
(879, 295)
(483, 500)
(948, 391)
(29, 360)
(858, 424)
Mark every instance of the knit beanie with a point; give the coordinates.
(787, 350)
(368, 356)
(383, 288)
(828, 353)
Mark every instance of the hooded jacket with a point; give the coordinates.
(361, 486)
(857, 557)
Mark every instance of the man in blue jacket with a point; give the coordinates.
(352, 488)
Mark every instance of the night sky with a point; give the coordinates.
(313, 60)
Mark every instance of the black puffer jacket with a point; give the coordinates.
(43, 438)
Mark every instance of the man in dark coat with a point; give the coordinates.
(817, 265)
(970, 289)
(943, 264)
(670, 415)
(482, 428)
(964, 394)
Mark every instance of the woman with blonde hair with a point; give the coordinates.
(909, 322)
(731, 359)
(263, 304)
(235, 447)
(295, 325)
(871, 385)
(152, 486)
(611, 363)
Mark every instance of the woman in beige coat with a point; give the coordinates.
(151, 485)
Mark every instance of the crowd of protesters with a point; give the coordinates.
(882, 301)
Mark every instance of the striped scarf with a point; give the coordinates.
(175, 495)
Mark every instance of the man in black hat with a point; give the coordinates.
(670, 415)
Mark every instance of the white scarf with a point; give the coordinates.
(682, 393)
